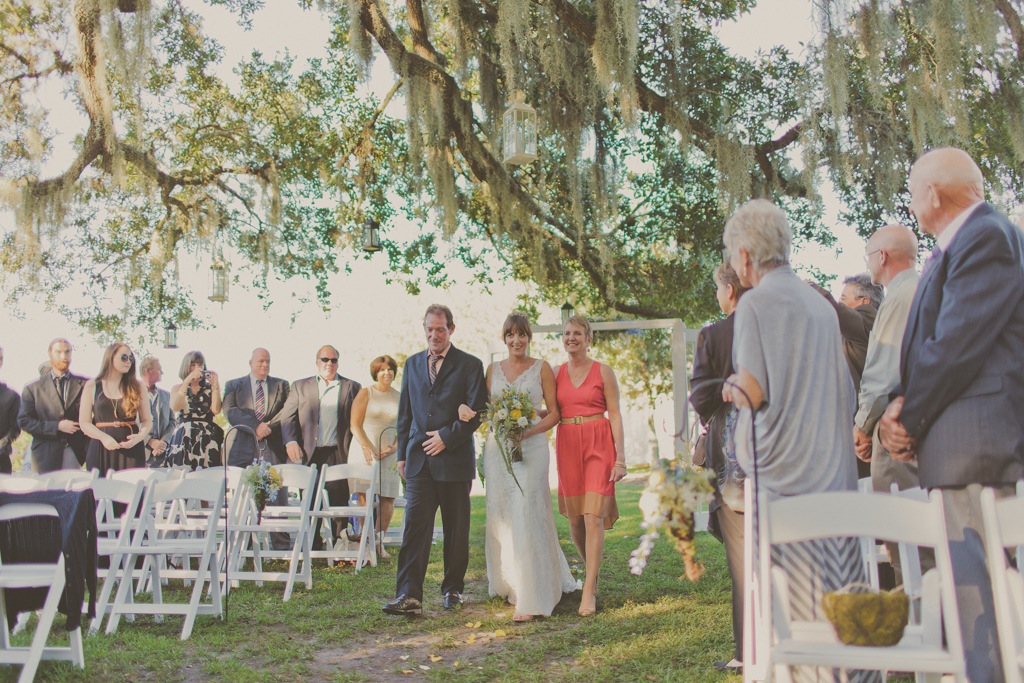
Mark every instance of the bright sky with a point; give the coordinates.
(368, 317)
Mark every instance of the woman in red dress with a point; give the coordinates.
(589, 450)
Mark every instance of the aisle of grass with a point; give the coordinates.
(649, 628)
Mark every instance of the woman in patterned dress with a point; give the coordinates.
(589, 450)
(196, 440)
(115, 413)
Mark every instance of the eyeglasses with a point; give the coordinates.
(328, 360)
(868, 255)
(126, 357)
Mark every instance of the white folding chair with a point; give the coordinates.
(871, 553)
(327, 510)
(250, 532)
(65, 479)
(9, 484)
(165, 529)
(933, 647)
(1003, 530)
(113, 533)
(146, 474)
(35, 575)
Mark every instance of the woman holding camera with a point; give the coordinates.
(196, 440)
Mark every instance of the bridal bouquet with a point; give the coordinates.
(674, 492)
(264, 483)
(508, 415)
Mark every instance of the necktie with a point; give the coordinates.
(261, 401)
(932, 259)
(434, 360)
(62, 391)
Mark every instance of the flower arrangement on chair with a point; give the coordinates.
(674, 493)
(264, 483)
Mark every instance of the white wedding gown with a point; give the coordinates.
(525, 564)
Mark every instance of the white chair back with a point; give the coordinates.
(1004, 531)
(65, 479)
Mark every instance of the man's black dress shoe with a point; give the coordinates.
(733, 666)
(452, 600)
(403, 604)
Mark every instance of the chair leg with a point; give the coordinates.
(77, 655)
(35, 651)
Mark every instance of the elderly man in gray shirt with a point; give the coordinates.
(890, 256)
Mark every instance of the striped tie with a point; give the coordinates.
(434, 360)
(261, 401)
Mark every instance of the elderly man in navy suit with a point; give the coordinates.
(957, 411)
(256, 401)
(437, 459)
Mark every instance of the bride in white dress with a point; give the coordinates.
(525, 564)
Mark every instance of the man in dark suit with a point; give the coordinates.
(256, 401)
(49, 412)
(957, 410)
(9, 429)
(316, 425)
(150, 373)
(437, 459)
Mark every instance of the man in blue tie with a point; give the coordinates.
(437, 459)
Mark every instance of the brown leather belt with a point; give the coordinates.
(101, 425)
(580, 419)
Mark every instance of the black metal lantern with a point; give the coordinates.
(218, 281)
(171, 336)
(519, 132)
(371, 236)
(567, 312)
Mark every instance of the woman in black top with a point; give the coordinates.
(115, 413)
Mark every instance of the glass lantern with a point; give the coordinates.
(519, 132)
(218, 281)
(371, 236)
(567, 312)
(171, 336)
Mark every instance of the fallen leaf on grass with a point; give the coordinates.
(470, 624)
(499, 633)
(408, 671)
(404, 657)
(436, 658)
(470, 639)
(424, 667)
(455, 664)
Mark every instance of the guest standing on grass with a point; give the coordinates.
(589, 450)
(115, 413)
(437, 458)
(49, 412)
(796, 393)
(197, 439)
(525, 564)
(712, 363)
(375, 427)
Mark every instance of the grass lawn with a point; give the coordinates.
(649, 628)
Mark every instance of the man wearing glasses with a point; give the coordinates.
(315, 425)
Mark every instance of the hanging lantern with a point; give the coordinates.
(218, 281)
(171, 336)
(371, 236)
(567, 312)
(519, 131)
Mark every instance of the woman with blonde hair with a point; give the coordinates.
(115, 413)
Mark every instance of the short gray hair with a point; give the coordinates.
(146, 363)
(864, 288)
(763, 230)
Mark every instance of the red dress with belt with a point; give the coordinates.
(585, 452)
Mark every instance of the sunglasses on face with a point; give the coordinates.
(328, 360)
(126, 357)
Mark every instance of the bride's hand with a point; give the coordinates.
(466, 413)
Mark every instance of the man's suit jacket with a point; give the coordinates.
(300, 417)
(10, 402)
(41, 412)
(962, 366)
(163, 419)
(240, 409)
(424, 408)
